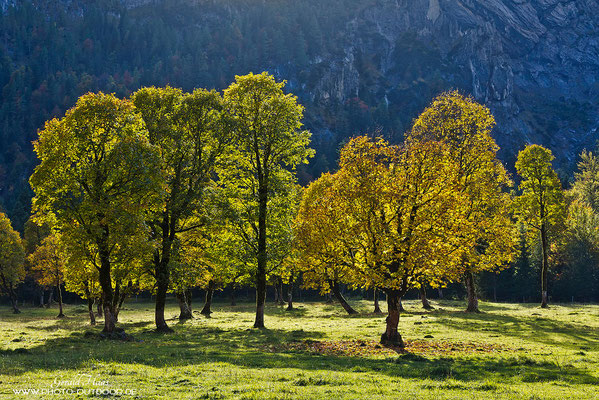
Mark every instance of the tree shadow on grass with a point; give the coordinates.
(266, 349)
(533, 328)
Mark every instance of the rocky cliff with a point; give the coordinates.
(534, 63)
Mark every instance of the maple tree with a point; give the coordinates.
(586, 183)
(33, 234)
(541, 202)
(98, 176)
(12, 258)
(487, 236)
(403, 208)
(82, 278)
(269, 143)
(189, 131)
(325, 248)
(49, 260)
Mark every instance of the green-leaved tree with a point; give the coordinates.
(98, 176)
(269, 143)
(12, 258)
(189, 131)
(541, 203)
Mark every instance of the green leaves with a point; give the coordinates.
(95, 160)
(257, 177)
(12, 255)
(267, 123)
(98, 177)
(542, 199)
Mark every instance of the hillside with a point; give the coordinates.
(357, 66)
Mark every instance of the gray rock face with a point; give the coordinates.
(535, 63)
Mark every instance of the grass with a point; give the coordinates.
(509, 351)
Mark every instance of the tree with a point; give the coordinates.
(579, 249)
(586, 184)
(82, 278)
(325, 249)
(187, 272)
(33, 234)
(580, 246)
(98, 176)
(188, 129)
(12, 257)
(488, 237)
(541, 203)
(269, 144)
(49, 260)
(197, 265)
(403, 213)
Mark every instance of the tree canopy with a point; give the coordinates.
(541, 203)
(97, 178)
(269, 143)
(12, 257)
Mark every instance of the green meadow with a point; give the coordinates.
(509, 351)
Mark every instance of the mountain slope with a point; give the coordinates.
(357, 65)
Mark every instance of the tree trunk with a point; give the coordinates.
(401, 309)
(334, 285)
(425, 303)
(233, 300)
(121, 299)
(544, 265)
(440, 292)
(162, 281)
(290, 295)
(13, 300)
(90, 309)
(377, 308)
(99, 306)
(471, 289)
(15, 308)
(60, 314)
(188, 298)
(106, 284)
(184, 306)
(105, 278)
(207, 309)
(42, 298)
(261, 270)
(50, 298)
(280, 290)
(391, 337)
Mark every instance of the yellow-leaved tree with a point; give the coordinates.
(326, 250)
(12, 257)
(97, 179)
(487, 236)
(49, 261)
(404, 213)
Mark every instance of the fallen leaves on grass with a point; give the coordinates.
(371, 347)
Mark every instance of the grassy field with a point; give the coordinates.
(509, 351)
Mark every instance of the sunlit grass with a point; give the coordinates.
(547, 354)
